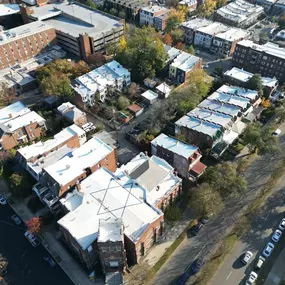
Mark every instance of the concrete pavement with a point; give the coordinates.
(257, 175)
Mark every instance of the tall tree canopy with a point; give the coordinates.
(144, 54)
(255, 83)
(207, 8)
(175, 18)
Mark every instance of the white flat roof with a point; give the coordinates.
(174, 145)
(40, 148)
(244, 76)
(229, 99)
(154, 9)
(185, 61)
(104, 197)
(150, 95)
(198, 125)
(172, 52)
(110, 230)
(8, 9)
(210, 116)
(213, 28)
(269, 48)
(25, 120)
(13, 111)
(164, 88)
(238, 91)
(74, 19)
(233, 34)
(88, 155)
(23, 31)
(70, 111)
(72, 200)
(196, 23)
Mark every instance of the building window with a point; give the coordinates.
(31, 128)
(19, 134)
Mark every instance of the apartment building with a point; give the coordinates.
(183, 157)
(204, 35)
(24, 42)
(80, 29)
(268, 59)
(217, 119)
(72, 114)
(182, 65)
(240, 77)
(190, 28)
(266, 4)
(98, 81)
(19, 125)
(239, 13)
(159, 22)
(147, 14)
(224, 43)
(35, 157)
(278, 7)
(61, 176)
(158, 179)
(101, 196)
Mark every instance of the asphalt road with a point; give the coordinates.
(263, 224)
(26, 265)
(201, 245)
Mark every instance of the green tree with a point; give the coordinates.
(122, 14)
(225, 179)
(123, 102)
(281, 22)
(219, 70)
(255, 83)
(261, 139)
(113, 11)
(221, 3)
(91, 4)
(174, 19)
(205, 200)
(7, 94)
(144, 55)
(173, 214)
(191, 50)
(177, 36)
(3, 264)
(206, 9)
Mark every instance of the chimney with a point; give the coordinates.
(157, 188)
(78, 186)
(10, 116)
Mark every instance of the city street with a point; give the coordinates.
(26, 264)
(257, 174)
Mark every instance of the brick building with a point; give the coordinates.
(80, 29)
(104, 195)
(268, 59)
(25, 42)
(156, 177)
(61, 176)
(148, 14)
(39, 155)
(111, 249)
(18, 125)
(183, 157)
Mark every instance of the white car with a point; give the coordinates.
(251, 278)
(276, 133)
(276, 236)
(3, 200)
(268, 249)
(282, 225)
(247, 257)
(32, 239)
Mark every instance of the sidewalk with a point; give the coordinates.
(49, 241)
(277, 273)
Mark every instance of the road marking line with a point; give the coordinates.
(229, 275)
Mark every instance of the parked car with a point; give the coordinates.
(3, 200)
(32, 239)
(183, 278)
(16, 220)
(50, 261)
(259, 263)
(282, 225)
(195, 229)
(246, 257)
(251, 278)
(277, 235)
(276, 133)
(205, 220)
(268, 249)
(197, 265)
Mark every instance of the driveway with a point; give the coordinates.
(257, 174)
(26, 265)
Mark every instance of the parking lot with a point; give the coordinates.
(25, 263)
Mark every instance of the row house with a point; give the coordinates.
(185, 158)
(61, 176)
(148, 14)
(240, 77)
(267, 59)
(156, 177)
(159, 22)
(104, 196)
(19, 125)
(39, 155)
(111, 76)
